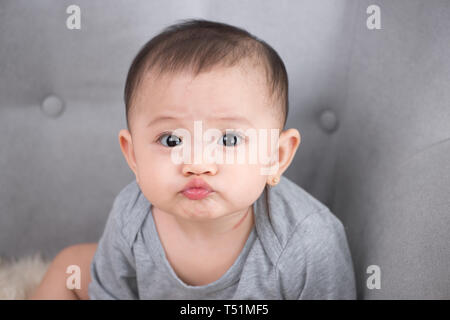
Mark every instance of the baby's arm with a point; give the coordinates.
(316, 263)
(54, 283)
(113, 269)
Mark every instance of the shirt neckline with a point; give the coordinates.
(227, 279)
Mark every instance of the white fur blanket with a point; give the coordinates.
(20, 277)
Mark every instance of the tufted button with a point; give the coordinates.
(52, 106)
(328, 120)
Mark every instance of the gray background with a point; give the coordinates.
(383, 167)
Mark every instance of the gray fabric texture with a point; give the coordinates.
(297, 249)
(372, 107)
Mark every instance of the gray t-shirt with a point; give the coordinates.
(297, 249)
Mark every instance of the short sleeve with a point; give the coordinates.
(316, 263)
(113, 271)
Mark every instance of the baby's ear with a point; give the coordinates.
(288, 144)
(126, 145)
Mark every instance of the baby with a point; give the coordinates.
(197, 226)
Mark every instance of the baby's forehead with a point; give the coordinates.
(217, 90)
(242, 72)
(221, 93)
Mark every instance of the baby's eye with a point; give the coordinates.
(230, 139)
(169, 140)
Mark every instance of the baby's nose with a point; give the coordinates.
(199, 168)
(200, 163)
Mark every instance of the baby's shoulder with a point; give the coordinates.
(292, 196)
(129, 210)
(293, 222)
(297, 216)
(312, 244)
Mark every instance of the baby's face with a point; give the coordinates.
(175, 102)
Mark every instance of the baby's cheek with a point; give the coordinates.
(154, 190)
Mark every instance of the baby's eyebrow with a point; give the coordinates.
(162, 118)
(234, 119)
(228, 118)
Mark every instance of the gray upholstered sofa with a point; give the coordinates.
(372, 106)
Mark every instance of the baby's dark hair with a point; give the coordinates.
(198, 45)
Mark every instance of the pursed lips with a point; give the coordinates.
(197, 189)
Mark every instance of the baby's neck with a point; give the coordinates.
(233, 226)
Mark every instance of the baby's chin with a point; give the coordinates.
(182, 206)
(213, 206)
(197, 215)
(200, 210)
(204, 209)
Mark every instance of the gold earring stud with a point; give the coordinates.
(275, 180)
